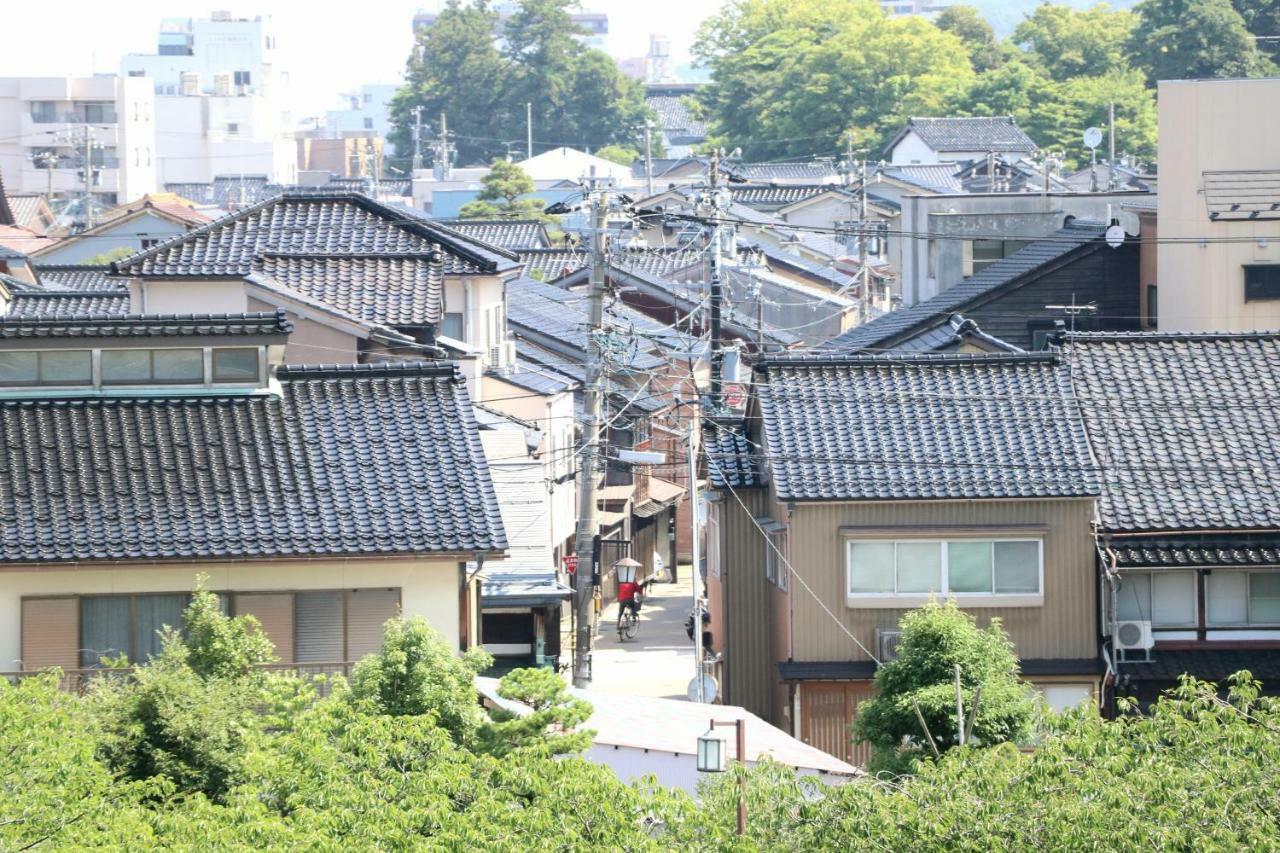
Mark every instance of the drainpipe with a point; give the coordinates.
(1112, 578)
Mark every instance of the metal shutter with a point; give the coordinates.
(50, 633)
(317, 627)
(275, 612)
(367, 612)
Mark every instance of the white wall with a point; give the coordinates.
(672, 770)
(189, 297)
(195, 143)
(912, 149)
(428, 588)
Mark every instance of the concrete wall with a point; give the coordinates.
(912, 149)
(189, 297)
(1214, 125)
(428, 588)
(196, 143)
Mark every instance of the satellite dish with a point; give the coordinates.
(709, 688)
(1092, 137)
(1115, 236)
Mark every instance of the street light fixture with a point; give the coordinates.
(712, 759)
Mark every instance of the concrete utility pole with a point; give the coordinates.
(698, 651)
(528, 130)
(417, 137)
(648, 159)
(588, 524)
(88, 178)
(717, 296)
(1111, 146)
(862, 246)
(443, 151)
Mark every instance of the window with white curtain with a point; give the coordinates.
(965, 568)
(1165, 599)
(1243, 598)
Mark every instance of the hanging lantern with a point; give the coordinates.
(626, 569)
(712, 751)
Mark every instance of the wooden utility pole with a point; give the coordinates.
(717, 295)
(648, 159)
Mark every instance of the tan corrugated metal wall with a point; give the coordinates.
(275, 612)
(50, 633)
(1065, 627)
(826, 715)
(749, 668)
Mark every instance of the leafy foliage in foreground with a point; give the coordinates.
(178, 759)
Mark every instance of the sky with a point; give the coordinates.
(327, 49)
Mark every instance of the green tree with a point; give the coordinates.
(1184, 39)
(967, 24)
(417, 673)
(1262, 18)
(1063, 42)
(505, 182)
(935, 639)
(620, 154)
(552, 724)
(218, 646)
(111, 255)
(790, 77)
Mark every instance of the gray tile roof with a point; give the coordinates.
(770, 197)
(78, 277)
(620, 393)
(936, 178)
(678, 264)
(813, 170)
(1210, 664)
(514, 234)
(922, 427)
(17, 285)
(69, 303)
(355, 460)
(146, 325)
(1247, 195)
(1186, 428)
(395, 290)
(551, 264)
(334, 225)
(1207, 551)
(732, 461)
(675, 118)
(534, 377)
(227, 190)
(1023, 265)
(971, 133)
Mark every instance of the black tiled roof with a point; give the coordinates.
(68, 303)
(1186, 428)
(671, 263)
(973, 133)
(318, 224)
(731, 459)
(17, 285)
(352, 460)
(1206, 664)
(813, 170)
(769, 197)
(675, 118)
(956, 331)
(395, 290)
(1076, 238)
(514, 234)
(1198, 552)
(535, 377)
(78, 277)
(146, 325)
(922, 427)
(551, 264)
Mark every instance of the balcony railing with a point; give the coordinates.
(72, 117)
(79, 680)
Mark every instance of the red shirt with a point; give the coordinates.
(626, 591)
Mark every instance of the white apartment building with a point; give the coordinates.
(362, 113)
(222, 105)
(43, 126)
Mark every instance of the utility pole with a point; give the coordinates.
(698, 651)
(583, 592)
(717, 297)
(648, 159)
(443, 150)
(528, 130)
(88, 178)
(1111, 146)
(862, 246)
(417, 137)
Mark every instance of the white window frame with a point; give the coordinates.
(897, 600)
(1248, 601)
(1145, 608)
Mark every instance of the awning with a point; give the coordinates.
(611, 519)
(506, 589)
(662, 494)
(616, 494)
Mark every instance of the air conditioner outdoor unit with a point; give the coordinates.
(495, 356)
(1134, 634)
(887, 645)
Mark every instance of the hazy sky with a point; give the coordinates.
(327, 48)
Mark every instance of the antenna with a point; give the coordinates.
(1092, 139)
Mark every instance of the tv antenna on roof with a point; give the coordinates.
(1092, 139)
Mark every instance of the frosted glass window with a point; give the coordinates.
(1173, 598)
(66, 367)
(178, 365)
(18, 368)
(1264, 598)
(919, 567)
(152, 613)
(1133, 598)
(235, 365)
(1017, 567)
(1228, 598)
(104, 628)
(871, 567)
(969, 566)
(126, 365)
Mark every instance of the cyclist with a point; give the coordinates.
(628, 599)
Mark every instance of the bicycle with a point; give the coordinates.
(628, 625)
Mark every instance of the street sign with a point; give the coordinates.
(734, 396)
(571, 564)
(709, 688)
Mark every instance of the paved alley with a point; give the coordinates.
(659, 661)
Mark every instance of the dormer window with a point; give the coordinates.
(235, 365)
(53, 367)
(111, 367)
(152, 366)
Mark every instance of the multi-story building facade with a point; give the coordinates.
(222, 105)
(44, 125)
(364, 113)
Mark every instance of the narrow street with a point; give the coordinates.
(659, 661)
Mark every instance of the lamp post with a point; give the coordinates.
(712, 759)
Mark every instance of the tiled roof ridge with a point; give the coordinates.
(1170, 336)
(42, 267)
(372, 370)
(433, 254)
(54, 294)
(933, 360)
(272, 321)
(1007, 118)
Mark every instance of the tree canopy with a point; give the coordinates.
(577, 95)
(1185, 39)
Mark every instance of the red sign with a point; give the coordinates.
(734, 397)
(571, 564)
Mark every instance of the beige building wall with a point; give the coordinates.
(1064, 627)
(312, 342)
(1214, 125)
(428, 588)
(153, 296)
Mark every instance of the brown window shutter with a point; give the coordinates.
(367, 612)
(50, 633)
(275, 612)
